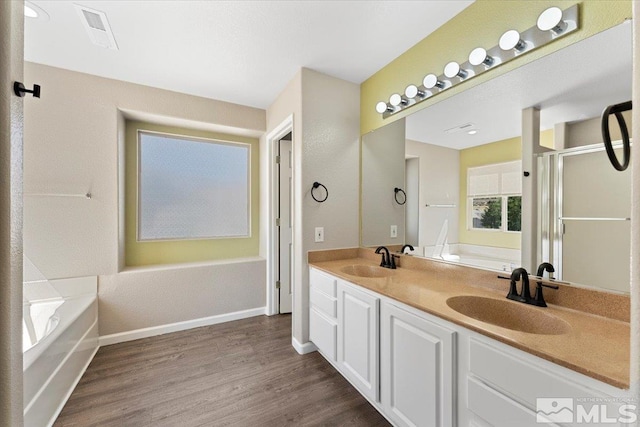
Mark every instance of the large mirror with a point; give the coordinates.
(460, 164)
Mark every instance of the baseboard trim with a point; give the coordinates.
(305, 348)
(179, 326)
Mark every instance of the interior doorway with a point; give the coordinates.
(284, 233)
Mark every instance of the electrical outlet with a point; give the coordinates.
(394, 231)
(319, 234)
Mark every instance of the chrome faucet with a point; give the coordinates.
(388, 261)
(539, 298)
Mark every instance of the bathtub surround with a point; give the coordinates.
(11, 125)
(54, 365)
(145, 301)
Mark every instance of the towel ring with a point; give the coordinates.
(395, 196)
(617, 110)
(316, 185)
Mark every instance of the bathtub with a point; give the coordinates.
(60, 338)
(484, 257)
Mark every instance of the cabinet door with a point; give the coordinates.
(358, 338)
(416, 369)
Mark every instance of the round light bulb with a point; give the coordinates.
(551, 19)
(472, 132)
(479, 56)
(395, 99)
(452, 69)
(430, 81)
(381, 107)
(511, 40)
(411, 91)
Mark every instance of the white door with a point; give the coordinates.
(285, 232)
(416, 365)
(358, 339)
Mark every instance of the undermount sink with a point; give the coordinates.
(510, 315)
(366, 271)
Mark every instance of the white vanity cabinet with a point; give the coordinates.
(358, 338)
(323, 322)
(503, 385)
(420, 370)
(417, 369)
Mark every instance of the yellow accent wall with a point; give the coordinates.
(480, 24)
(180, 251)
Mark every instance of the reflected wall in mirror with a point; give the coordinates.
(462, 170)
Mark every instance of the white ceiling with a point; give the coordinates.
(573, 84)
(237, 51)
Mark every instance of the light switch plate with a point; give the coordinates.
(394, 231)
(319, 234)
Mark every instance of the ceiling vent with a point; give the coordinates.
(97, 26)
(465, 127)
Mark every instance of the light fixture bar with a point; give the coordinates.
(533, 38)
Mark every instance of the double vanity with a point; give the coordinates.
(436, 344)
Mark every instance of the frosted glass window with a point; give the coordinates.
(192, 188)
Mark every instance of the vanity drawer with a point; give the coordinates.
(323, 302)
(497, 409)
(323, 282)
(323, 332)
(521, 378)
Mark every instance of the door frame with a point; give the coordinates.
(272, 139)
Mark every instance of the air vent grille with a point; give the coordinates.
(94, 20)
(97, 26)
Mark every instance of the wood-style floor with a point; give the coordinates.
(242, 373)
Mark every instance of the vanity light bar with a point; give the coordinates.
(553, 23)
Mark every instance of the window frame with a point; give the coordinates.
(139, 132)
(504, 225)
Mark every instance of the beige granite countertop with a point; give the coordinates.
(596, 346)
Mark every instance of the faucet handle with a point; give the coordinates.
(538, 299)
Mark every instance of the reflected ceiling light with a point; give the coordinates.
(382, 107)
(452, 69)
(412, 91)
(472, 132)
(35, 12)
(551, 19)
(431, 80)
(511, 40)
(479, 56)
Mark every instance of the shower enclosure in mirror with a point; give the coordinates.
(460, 162)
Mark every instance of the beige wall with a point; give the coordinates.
(439, 184)
(74, 142)
(587, 132)
(383, 169)
(11, 122)
(325, 149)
